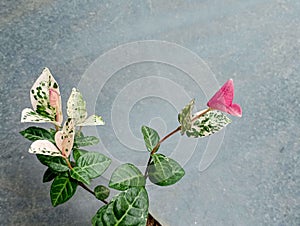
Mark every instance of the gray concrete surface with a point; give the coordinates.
(254, 179)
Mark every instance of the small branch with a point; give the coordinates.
(166, 137)
(56, 128)
(203, 113)
(163, 139)
(151, 221)
(90, 191)
(68, 163)
(156, 148)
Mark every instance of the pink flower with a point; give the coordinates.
(222, 100)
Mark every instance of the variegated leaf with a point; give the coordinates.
(93, 120)
(185, 117)
(208, 124)
(44, 147)
(28, 115)
(45, 99)
(64, 139)
(76, 109)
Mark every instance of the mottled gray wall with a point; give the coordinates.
(255, 178)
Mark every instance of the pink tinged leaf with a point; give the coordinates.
(44, 147)
(59, 137)
(65, 139)
(222, 100)
(40, 97)
(55, 102)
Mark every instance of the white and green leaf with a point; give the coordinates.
(43, 110)
(62, 189)
(208, 124)
(185, 117)
(76, 109)
(28, 115)
(151, 137)
(101, 192)
(126, 176)
(93, 163)
(79, 174)
(57, 163)
(164, 171)
(44, 147)
(36, 133)
(93, 120)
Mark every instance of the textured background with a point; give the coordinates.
(254, 179)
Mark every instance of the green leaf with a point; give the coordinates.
(36, 133)
(101, 192)
(57, 164)
(62, 189)
(79, 174)
(151, 137)
(127, 209)
(208, 124)
(49, 175)
(185, 117)
(93, 163)
(81, 141)
(78, 152)
(126, 176)
(164, 171)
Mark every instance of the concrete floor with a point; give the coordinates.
(254, 179)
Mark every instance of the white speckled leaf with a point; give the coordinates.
(76, 109)
(28, 115)
(185, 117)
(46, 106)
(208, 124)
(44, 147)
(93, 120)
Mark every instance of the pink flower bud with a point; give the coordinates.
(222, 100)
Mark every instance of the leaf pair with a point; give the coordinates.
(162, 171)
(46, 103)
(64, 140)
(89, 165)
(130, 207)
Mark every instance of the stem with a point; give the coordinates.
(68, 163)
(166, 137)
(56, 128)
(156, 148)
(203, 113)
(90, 191)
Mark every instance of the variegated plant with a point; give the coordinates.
(70, 166)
